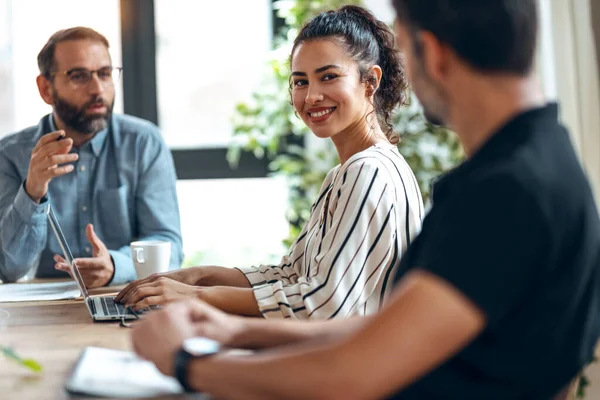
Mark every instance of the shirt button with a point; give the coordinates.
(88, 250)
(82, 168)
(84, 208)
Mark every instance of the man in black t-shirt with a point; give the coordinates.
(497, 298)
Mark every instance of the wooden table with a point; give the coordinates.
(53, 333)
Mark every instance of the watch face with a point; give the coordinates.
(200, 346)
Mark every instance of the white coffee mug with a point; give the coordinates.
(150, 257)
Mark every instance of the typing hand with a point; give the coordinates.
(45, 163)
(97, 270)
(188, 276)
(158, 291)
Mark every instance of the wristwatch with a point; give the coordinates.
(192, 348)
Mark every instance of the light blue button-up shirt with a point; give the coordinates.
(123, 183)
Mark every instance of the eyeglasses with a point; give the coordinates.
(80, 77)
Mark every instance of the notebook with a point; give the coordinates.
(119, 374)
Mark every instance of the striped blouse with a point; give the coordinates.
(368, 211)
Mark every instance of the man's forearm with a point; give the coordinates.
(425, 323)
(296, 373)
(262, 334)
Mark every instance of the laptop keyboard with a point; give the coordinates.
(109, 307)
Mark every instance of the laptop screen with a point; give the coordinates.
(66, 252)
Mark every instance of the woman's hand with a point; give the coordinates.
(187, 276)
(196, 276)
(159, 291)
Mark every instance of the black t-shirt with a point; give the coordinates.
(515, 228)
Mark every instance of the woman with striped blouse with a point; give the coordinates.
(346, 80)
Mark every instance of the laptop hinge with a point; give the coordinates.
(92, 306)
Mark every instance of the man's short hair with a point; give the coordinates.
(490, 35)
(45, 58)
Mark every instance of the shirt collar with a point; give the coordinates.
(500, 144)
(95, 144)
(513, 133)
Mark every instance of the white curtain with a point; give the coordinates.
(569, 71)
(568, 65)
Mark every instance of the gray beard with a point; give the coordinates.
(76, 119)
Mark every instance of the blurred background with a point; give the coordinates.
(213, 76)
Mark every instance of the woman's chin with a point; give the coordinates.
(323, 131)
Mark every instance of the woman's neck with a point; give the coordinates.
(357, 138)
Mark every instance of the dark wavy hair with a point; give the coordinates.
(369, 42)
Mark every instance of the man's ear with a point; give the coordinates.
(45, 88)
(373, 80)
(435, 56)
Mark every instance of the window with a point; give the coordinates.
(25, 26)
(233, 222)
(209, 56)
(186, 65)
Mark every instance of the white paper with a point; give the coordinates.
(10, 292)
(115, 373)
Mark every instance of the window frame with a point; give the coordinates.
(138, 42)
(595, 19)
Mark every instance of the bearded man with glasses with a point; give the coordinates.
(110, 178)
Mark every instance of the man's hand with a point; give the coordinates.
(187, 276)
(159, 335)
(97, 270)
(215, 324)
(45, 163)
(159, 291)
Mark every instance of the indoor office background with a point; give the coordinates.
(186, 65)
(188, 62)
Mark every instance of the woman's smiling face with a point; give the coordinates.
(327, 91)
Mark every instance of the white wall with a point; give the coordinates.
(568, 70)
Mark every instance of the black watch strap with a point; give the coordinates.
(182, 363)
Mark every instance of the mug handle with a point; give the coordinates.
(139, 255)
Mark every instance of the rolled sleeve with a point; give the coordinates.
(254, 275)
(269, 304)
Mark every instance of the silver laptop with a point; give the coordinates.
(101, 308)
